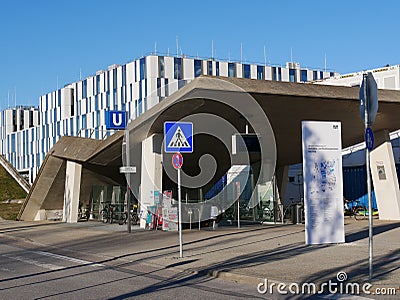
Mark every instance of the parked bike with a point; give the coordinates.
(108, 213)
(83, 214)
(124, 218)
(353, 208)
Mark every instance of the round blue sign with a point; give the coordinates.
(369, 138)
(177, 160)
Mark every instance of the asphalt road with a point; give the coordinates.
(27, 272)
(92, 260)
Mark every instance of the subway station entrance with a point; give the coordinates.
(220, 109)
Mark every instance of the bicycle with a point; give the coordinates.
(124, 218)
(355, 210)
(83, 214)
(108, 213)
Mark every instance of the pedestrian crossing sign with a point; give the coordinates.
(178, 137)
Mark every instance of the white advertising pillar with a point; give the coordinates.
(72, 190)
(151, 172)
(384, 177)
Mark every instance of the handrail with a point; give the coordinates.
(14, 173)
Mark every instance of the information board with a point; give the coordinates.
(323, 183)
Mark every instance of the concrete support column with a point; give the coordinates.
(384, 177)
(151, 175)
(72, 190)
(281, 176)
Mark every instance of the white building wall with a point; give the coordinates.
(223, 69)
(285, 74)
(386, 78)
(239, 69)
(188, 67)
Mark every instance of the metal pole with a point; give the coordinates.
(370, 244)
(180, 213)
(238, 215)
(128, 199)
(199, 219)
(253, 202)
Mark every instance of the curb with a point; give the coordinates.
(235, 277)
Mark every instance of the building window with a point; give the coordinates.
(108, 99)
(303, 75)
(123, 75)
(123, 95)
(332, 74)
(96, 102)
(84, 121)
(260, 72)
(59, 97)
(161, 65)
(97, 84)
(315, 75)
(31, 118)
(210, 72)
(246, 71)
(279, 74)
(321, 75)
(145, 89)
(115, 100)
(84, 89)
(231, 70)
(197, 68)
(142, 68)
(88, 104)
(217, 68)
(292, 75)
(274, 77)
(115, 81)
(140, 107)
(177, 68)
(105, 82)
(158, 87)
(71, 126)
(166, 87)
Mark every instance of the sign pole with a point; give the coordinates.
(178, 137)
(180, 213)
(128, 200)
(366, 119)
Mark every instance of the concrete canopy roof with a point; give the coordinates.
(286, 105)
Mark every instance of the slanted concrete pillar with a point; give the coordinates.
(384, 177)
(151, 172)
(72, 190)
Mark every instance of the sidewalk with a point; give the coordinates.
(250, 254)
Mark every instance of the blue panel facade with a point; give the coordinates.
(355, 184)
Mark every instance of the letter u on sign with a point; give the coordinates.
(117, 119)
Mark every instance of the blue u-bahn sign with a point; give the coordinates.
(115, 119)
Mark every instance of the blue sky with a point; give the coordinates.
(48, 41)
